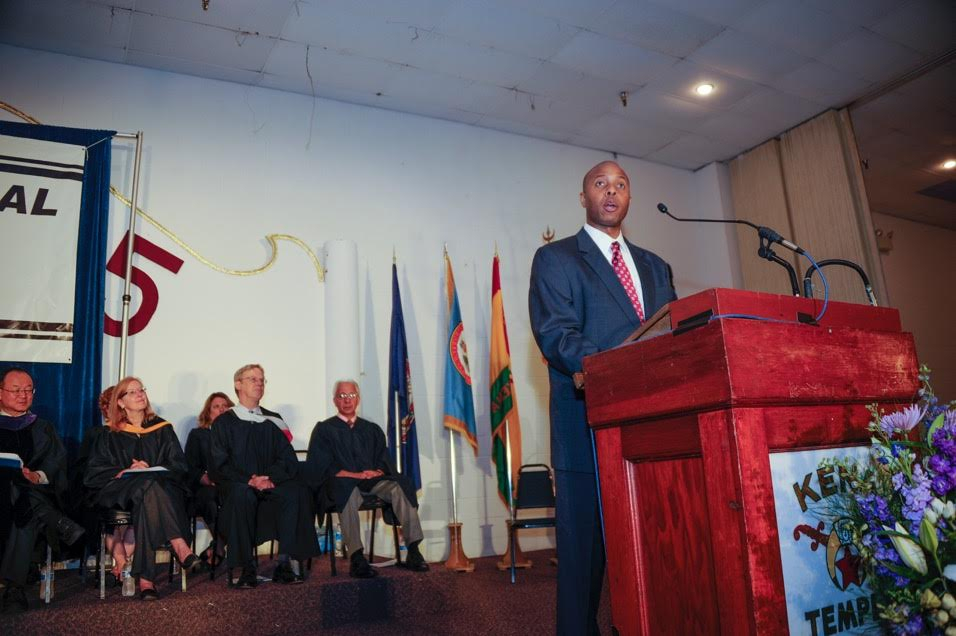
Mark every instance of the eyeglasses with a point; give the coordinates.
(135, 392)
(28, 391)
(254, 380)
(343, 396)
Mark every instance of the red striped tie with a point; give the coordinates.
(620, 268)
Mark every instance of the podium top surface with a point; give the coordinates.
(857, 354)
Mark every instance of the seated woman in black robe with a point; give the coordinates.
(199, 459)
(139, 466)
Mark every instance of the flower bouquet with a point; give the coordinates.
(901, 509)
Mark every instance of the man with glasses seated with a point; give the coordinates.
(30, 495)
(253, 463)
(352, 452)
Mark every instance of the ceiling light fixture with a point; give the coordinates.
(705, 89)
(949, 164)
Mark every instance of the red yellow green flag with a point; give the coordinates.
(504, 402)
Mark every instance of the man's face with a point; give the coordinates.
(606, 196)
(251, 386)
(16, 394)
(346, 399)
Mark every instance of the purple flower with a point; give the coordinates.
(902, 421)
(916, 496)
(875, 511)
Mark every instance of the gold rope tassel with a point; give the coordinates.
(273, 239)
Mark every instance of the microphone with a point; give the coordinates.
(770, 235)
(767, 236)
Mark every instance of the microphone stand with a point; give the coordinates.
(808, 285)
(767, 236)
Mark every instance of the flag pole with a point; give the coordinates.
(398, 436)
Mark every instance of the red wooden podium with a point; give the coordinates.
(685, 424)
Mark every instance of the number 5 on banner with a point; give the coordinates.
(117, 265)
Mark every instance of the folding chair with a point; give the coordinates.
(535, 490)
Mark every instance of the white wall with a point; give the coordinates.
(225, 164)
(919, 280)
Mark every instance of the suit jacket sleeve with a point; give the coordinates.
(557, 319)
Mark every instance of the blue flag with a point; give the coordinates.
(459, 403)
(400, 393)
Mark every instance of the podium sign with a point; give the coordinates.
(825, 587)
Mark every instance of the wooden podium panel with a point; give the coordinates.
(685, 425)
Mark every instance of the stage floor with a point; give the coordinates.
(438, 602)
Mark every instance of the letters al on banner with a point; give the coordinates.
(41, 185)
(826, 589)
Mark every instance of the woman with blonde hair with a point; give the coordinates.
(139, 466)
(199, 458)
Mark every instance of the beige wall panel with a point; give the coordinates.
(759, 196)
(822, 203)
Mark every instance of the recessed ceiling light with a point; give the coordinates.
(949, 164)
(705, 89)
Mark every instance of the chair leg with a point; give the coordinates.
(371, 541)
(398, 553)
(330, 541)
(101, 562)
(48, 592)
(215, 540)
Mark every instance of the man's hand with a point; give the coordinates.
(205, 481)
(261, 482)
(138, 463)
(30, 476)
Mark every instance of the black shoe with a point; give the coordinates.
(285, 575)
(149, 594)
(69, 531)
(191, 561)
(414, 561)
(248, 579)
(14, 599)
(360, 568)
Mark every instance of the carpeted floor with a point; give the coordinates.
(438, 602)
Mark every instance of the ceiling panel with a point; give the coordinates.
(573, 12)
(656, 27)
(190, 67)
(685, 76)
(724, 12)
(607, 131)
(746, 56)
(65, 26)
(652, 107)
(613, 59)
(796, 26)
(687, 150)
(869, 56)
(198, 43)
(265, 17)
(506, 28)
(470, 61)
(572, 85)
(861, 12)
(818, 82)
(924, 25)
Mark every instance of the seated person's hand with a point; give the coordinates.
(205, 481)
(30, 476)
(371, 474)
(266, 484)
(138, 463)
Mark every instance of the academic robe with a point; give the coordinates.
(199, 460)
(241, 449)
(25, 507)
(335, 446)
(155, 499)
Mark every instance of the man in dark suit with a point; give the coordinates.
(588, 293)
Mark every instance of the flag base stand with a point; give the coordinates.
(457, 560)
(521, 561)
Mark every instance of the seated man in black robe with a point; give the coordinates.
(253, 463)
(30, 497)
(352, 453)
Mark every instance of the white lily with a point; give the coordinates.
(949, 571)
(909, 550)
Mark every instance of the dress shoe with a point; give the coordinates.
(360, 568)
(14, 599)
(248, 579)
(149, 594)
(69, 531)
(414, 561)
(189, 563)
(285, 575)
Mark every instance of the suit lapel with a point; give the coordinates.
(596, 261)
(647, 278)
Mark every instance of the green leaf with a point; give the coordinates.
(927, 535)
(937, 423)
